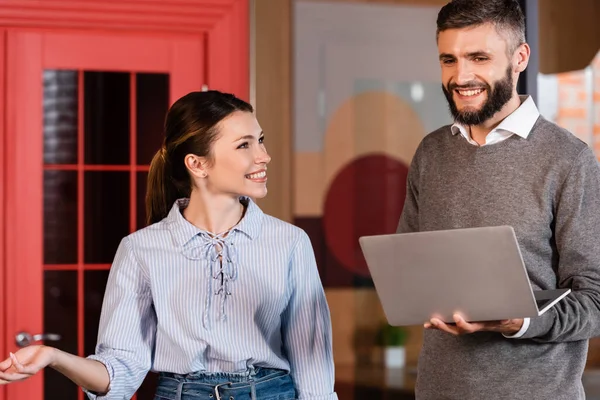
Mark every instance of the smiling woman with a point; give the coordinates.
(213, 285)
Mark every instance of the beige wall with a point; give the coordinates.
(272, 30)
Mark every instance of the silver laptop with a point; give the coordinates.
(478, 272)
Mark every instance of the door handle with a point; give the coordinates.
(24, 339)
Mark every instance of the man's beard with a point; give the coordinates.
(497, 97)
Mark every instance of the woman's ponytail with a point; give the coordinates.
(161, 192)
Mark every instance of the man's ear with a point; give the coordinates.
(521, 57)
(196, 165)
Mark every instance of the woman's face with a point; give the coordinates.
(239, 159)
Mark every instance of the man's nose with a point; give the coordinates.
(464, 73)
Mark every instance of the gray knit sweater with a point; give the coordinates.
(548, 188)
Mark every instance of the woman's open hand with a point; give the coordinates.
(25, 363)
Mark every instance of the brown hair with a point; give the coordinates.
(190, 128)
(505, 15)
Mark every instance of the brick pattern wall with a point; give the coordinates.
(574, 97)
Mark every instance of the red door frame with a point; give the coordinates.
(222, 23)
(23, 181)
(2, 190)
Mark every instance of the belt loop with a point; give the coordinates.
(217, 394)
(251, 376)
(179, 392)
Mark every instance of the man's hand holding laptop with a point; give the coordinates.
(462, 327)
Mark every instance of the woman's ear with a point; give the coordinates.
(196, 165)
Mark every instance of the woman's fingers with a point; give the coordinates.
(4, 365)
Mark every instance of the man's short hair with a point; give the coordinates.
(505, 15)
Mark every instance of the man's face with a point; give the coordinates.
(477, 74)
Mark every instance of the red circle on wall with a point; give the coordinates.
(365, 198)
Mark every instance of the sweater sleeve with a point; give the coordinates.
(576, 232)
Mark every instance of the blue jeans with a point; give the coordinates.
(257, 384)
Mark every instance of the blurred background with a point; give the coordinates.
(344, 90)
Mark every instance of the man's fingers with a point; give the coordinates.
(460, 326)
(463, 325)
(467, 327)
(439, 324)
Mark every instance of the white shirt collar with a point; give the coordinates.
(519, 122)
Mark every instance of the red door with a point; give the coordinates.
(82, 117)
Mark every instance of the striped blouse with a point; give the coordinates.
(179, 300)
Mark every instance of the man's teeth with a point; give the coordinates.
(470, 92)
(258, 175)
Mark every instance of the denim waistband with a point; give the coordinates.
(226, 384)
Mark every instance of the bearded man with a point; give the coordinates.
(501, 163)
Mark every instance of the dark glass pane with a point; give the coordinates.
(60, 217)
(152, 105)
(94, 284)
(106, 105)
(148, 388)
(106, 214)
(60, 317)
(60, 117)
(142, 181)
